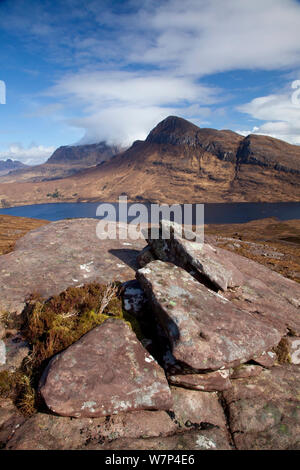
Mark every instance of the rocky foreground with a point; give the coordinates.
(217, 366)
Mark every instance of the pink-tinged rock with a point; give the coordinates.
(209, 382)
(246, 370)
(266, 359)
(282, 436)
(264, 411)
(210, 439)
(294, 346)
(63, 254)
(49, 432)
(134, 430)
(10, 420)
(201, 258)
(106, 372)
(16, 349)
(2, 331)
(145, 257)
(205, 330)
(266, 294)
(193, 408)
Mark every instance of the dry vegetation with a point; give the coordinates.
(12, 228)
(50, 327)
(273, 243)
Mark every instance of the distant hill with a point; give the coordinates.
(86, 155)
(65, 161)
(7, 165)
(180, 163)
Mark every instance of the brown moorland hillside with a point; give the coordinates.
(179, 163)
(12, 228)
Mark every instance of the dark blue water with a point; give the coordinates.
(226, 213)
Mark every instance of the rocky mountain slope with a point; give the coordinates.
(65, 161)
(8, 165)
(87, 155)
(179, 162)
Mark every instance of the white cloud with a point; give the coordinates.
(171, 44)
(123, 106)
(32, 155)
(202, 37)
(281, 113)
(185, 41)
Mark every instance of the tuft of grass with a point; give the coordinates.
(282, 351)
(51, 326)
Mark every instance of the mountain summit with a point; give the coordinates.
(178, 163)
(174, 130)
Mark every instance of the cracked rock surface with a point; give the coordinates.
(106, 372)
(63, 254)
(201, 324)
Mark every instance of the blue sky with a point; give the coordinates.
(82, 72)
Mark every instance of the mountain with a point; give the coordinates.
(86, 155)
(180, 163)
(7, 165)
(65, 161)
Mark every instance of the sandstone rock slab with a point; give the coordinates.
(62, 254)
(106, 372)
(253, 286)
(264, 411)
(209, 382)
(197, 409)
(200, 257)
(10, 420)
(266, 293)
(246, 370)
(266, 359)
(212, 439)
(205, 330)
(49, 432)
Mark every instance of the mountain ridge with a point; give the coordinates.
(179, 162)
(8, 165)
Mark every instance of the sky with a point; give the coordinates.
(83, 72)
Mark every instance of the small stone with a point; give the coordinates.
(246, 370)
(10, 420)
(2, 353)
(16, 350)
(266, 359)
(2, 332)
(294, 345)
(209, 382)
